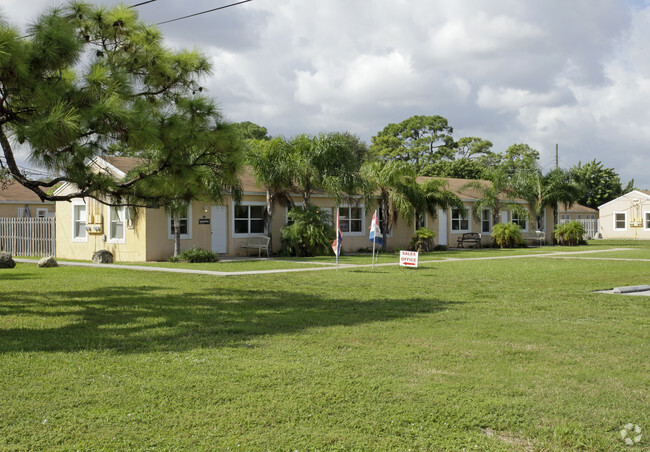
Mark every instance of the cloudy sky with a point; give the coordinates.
(570, 72)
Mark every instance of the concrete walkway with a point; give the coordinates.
(323, 266)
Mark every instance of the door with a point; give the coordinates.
(442, 227)
(219, 228)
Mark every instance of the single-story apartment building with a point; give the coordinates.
(86, 225)
(16, 201)
(626, 217)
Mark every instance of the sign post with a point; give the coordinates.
(408, 259)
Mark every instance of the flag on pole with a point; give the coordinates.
(336, 245)
(375, 231)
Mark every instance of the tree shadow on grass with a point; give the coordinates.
(145, 319)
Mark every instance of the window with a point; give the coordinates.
(458, 223)
(646, 223)
(185, 223)
(579, 217)
(249, 219)
(486, 221)
(41, 213)
(351, 220)
(620, 220)
(117, 223)
(79, 233)
(520, 220)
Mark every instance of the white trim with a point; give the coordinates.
(187, 236)
(624, 221)
(108, 167)
(83, 215)
(489, 214)
(112, 239)
(31, 203)
(232, 220)
(363, 220)
(468, 209)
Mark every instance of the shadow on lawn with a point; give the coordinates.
(135, 320)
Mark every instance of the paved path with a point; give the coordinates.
(324, 266)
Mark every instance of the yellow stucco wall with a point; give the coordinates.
(10, 210)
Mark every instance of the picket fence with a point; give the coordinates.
(590, 225)
(28, 236)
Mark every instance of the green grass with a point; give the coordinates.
(507, 354)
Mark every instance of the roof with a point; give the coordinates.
(627, 195)
(12, 191)
(460, 189)
(579, 208)
(124, 164)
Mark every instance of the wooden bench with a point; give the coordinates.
(469, 237)
(259, 243)
(536, 237)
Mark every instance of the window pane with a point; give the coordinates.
(355, 225)
(355, 212)
(647, 220)
(257, 211)
(241, 211)
(241, 226)
(117, 230)
(257, 226)
(464, 224)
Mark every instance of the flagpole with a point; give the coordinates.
(373, 254)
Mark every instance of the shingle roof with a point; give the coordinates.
(12, 191)
(124, 164)
(459, 187)
(576, 208)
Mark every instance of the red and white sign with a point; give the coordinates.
(408, 259)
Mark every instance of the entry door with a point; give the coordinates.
(442, 226)
(219, 216)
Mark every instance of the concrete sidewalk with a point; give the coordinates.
(321, 266)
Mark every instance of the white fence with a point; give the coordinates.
(590, 225)
(27, 236)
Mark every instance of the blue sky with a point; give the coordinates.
(574, 73)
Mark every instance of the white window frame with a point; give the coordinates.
(247, 234)
(646, 220)
(121, 214)
(83, 217)
(526, 219)
(489, 220)
(460, 219)
(362, 219)
(170, 232)
(624, 228)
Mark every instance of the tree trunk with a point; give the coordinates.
(177, 237)
(384, 225)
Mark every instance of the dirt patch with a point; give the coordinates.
(510, 439)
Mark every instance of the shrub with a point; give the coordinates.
(507, 235)
(422, 240)
(440, 248)
(309, 234)
(570, 234)
(195, 256)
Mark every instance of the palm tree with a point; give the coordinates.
(268, 161)
(394, 186)
(556, 186)
(497, 194)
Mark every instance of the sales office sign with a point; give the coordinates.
(408, 259)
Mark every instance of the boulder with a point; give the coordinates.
(6, 261)
(102, 257)
(47, 262)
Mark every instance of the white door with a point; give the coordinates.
(442, 227)
(219, 228)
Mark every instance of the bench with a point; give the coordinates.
(536, 237)
(469, 237)
(259, 243)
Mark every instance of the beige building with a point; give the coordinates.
(626, 217)
(85, 225)
(17, 201)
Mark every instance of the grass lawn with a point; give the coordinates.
(506, 354)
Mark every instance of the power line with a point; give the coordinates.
(203, 12)
(142, 3)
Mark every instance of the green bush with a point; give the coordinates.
(310, 234)
(195, 256)
(570, 234)
(507, 235)
(422, 240)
